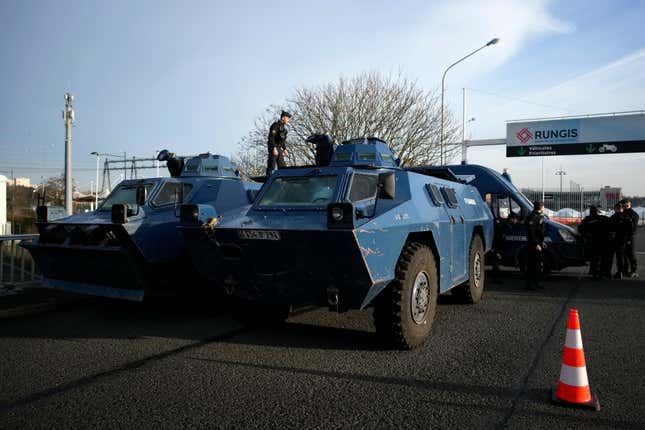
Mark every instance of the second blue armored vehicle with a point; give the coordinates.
(129, 247)
(360, 232)
(565, 246)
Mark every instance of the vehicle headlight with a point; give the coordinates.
(566, 235)
(337, 213)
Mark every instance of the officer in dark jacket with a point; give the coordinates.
(324, 148)
(502, 229)
(621, 227)
(277, 143)
(595, 230)
(535, 246)
(630, 256)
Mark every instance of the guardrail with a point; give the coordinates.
(16, 265)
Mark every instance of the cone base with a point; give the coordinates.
(592, 404)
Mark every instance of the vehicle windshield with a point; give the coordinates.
(300, 191)
(123, 195)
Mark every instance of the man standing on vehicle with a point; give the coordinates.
(277, 143)
(535, 246)
(630, 255)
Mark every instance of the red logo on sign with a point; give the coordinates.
(524, 135)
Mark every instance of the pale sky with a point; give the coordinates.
(193, 76)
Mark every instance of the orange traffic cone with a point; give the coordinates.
(573, 387)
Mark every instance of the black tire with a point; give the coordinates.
(259, 314)
(393, 309)
(472, 290)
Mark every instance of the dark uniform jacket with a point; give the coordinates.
(277, 136)
(595, 229)
(621, 226)
(535, 227)
(633, 216)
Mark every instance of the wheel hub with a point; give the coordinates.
(420, 298)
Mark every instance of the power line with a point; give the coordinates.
(502, 96)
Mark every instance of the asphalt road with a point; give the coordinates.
(169, 364)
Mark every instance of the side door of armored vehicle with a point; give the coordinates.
(459, 252)
(513, 236)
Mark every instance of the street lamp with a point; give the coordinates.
(443, 86)
(96, 184)
(560, 173)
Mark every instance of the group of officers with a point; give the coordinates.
(607, 237)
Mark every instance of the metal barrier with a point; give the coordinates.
(16, 265)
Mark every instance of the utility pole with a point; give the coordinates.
(68, 117)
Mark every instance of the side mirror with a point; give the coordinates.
(142, 195)
(387, 185)
(120, 213)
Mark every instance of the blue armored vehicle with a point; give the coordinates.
(360, 232)
(565, 247)
(129, 247)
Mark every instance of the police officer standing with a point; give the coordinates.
(277, 143)
(324, 148)
(595, 230)
(630, 255)
(621, 226)
(535, 246)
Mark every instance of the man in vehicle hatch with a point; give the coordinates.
(324, 148)
(630, 255)
(595, 230)
(277, 143)
(535, 246)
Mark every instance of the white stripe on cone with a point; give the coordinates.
(574, 376)
(573, 339)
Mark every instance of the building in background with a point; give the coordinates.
(23, 182)
(576, 198)
(5, 228)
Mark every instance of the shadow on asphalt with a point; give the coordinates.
(539, 398)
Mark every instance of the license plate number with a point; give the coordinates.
(258, 234)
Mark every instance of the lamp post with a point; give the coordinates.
(96, 184)
(443, 86)
(560, 173)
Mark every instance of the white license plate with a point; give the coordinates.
(258, 234)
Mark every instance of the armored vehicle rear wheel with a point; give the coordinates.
(472, 290)
(259, 314)
(405, 310)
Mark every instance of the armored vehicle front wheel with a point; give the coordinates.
(405, 310)
(472, 290)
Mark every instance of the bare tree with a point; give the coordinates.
(392, 108)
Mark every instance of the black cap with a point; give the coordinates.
(624, 201)
(285, 113)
